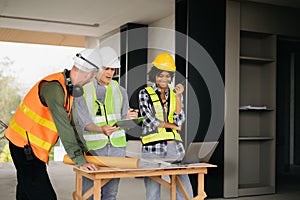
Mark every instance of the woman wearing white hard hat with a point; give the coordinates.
(44, 116)
(103, 103)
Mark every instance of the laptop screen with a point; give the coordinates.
(199, 152)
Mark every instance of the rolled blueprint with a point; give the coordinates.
(107, 161)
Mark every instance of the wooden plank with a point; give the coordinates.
(88, 193)
(173, 187)
(128, 174)
(201, 192)
(78, 185)
(161, 181)
(97, 189)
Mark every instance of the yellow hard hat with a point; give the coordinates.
(165, 62)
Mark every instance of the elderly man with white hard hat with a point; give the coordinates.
(43, 116)
(103, 103)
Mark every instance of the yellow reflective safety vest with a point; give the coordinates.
(35, 118)
(162, 133)
(107, 113)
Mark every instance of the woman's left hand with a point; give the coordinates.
(179, 89)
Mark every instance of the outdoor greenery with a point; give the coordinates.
(9, 100)
(9, 92)
(5, 154)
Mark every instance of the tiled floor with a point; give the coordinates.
(288, 188)
(63, 177)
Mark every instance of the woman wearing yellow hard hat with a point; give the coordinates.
(163, 111)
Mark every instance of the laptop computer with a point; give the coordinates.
(197, 152)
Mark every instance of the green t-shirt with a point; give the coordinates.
(52, 95)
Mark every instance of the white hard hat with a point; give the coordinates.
(88, 60)
(109, 57)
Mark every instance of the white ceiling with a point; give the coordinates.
(78, 17)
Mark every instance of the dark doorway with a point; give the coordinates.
(288, 115)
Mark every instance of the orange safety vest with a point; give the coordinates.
(35, 118)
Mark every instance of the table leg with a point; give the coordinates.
(97, 189)
(173, 187)
(201, 192)
(77, 194)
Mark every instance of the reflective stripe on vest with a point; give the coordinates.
(162, 133)
(35, 118)
(110, 113)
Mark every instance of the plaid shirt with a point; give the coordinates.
(150, 123)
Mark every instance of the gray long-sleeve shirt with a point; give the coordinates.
(82, 113)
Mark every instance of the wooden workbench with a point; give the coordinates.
(102, 176)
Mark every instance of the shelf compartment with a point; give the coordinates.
(256, 124)
(257, 84)
(259, 45)
(255, 166)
